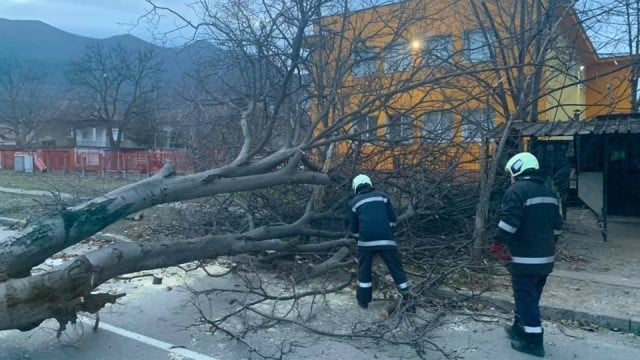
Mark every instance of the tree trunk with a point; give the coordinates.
(60, 294)
(486, 186)
(335, 262)
(26, 301)
(22, 249)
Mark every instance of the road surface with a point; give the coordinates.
(151, 322)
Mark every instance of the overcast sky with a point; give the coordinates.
(93, 18)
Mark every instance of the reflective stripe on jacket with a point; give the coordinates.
(371, 218)
(529, 220)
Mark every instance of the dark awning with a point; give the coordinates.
(610, 124)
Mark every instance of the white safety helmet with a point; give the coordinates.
(360, 180)
(521, 162)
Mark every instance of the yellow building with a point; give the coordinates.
(423, 81)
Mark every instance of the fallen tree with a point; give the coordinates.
(278, 140)
(26, 300)
(60, 294)
(24, 248)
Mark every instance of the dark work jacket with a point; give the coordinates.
(529, 221)
(371, 218)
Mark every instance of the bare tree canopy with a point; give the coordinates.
(117, 87)
(25, 103)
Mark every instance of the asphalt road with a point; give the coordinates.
(151, 322)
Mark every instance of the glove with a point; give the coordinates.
(500, 252)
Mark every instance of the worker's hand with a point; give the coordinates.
(500, 252)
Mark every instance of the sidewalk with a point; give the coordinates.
(594, 282)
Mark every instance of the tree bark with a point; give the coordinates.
(22, 249)
(60, 294)
(335, 262)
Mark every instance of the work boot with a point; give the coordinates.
(529, 344)
(515, 331)
(363, 305)
(408, 301)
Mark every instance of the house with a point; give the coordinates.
(432, 78)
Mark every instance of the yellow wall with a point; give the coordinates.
(608, 88)
(415, 20)
(565, 87)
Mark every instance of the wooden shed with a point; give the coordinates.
(602, 153)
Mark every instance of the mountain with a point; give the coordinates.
(45, 45)
(35, 40)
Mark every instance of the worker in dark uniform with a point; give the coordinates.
(372, 219)
(530, 223)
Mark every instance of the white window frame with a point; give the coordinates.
(397, 57)
(405, 128)
(365, 125)
(476, 122)
(364, 61)
(437, 126)
(476, 47)
(581, 76)
(438, 50)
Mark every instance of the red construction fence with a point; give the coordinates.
(96, 160)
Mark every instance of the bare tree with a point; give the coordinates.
(505, 75)
(263, 160)
(117, 85)
(615, 28)
(535, 44)
(25, 103)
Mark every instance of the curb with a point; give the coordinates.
(631, 325)
(5, 221)
(34, 192)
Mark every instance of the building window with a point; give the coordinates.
(48, 143)
(477, 47)
(364, 61)
(581, 77)
(365, 127)
(438, 50)
(397, 57)
(437, 126)
(476, 122)
(399, 128)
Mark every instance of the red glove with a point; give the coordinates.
(500, 252)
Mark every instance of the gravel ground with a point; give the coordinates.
(21, 206)
(56, 181)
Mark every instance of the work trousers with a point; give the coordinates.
(526, 294)
(391, 258)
